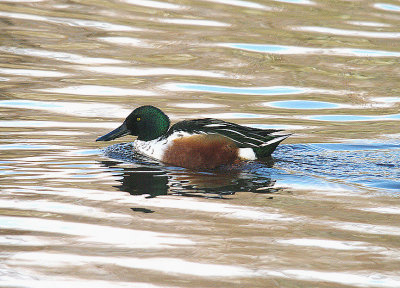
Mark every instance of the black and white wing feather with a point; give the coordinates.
(263, 141)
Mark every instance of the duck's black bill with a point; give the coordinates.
(119, 132)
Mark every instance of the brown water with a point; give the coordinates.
(325, 214)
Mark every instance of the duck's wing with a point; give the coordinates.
(263, 141)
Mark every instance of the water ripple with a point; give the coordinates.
(197, 105)
(146, 71)
(32, 72)
(154, 4)
(305, 104)
(59, 208)
(369, 24)
(302, 2)
(242, 3)
(233, 115)
(129, 41)
(330, 244)
(367, 228)
(387, 7)
(195, 22)
(184, 267)
(357, 278)
(272, 90)
(55, 124)
(66, 282)
(222, 209)
(362, 163)
(27, 146)
(60, 56)
(163, 265)
(73, 216)
(351, 33)
(71, 22)
(122, 237)
(97, 90)
(282, 49)
(354, 118)
(68, 108)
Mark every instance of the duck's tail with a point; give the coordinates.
(266, 149)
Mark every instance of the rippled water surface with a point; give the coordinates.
(324, 212)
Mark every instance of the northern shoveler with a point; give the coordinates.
(195, 144)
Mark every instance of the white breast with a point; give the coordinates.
(156, 148)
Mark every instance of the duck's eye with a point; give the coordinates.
(138, 119)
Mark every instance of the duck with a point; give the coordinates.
(197, 144)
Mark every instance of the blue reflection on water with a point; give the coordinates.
(273, 90)
(349, 118)
(85, 152)
(260, 47)
(28, 104)
(282, 49)
(389, 7)
(302, 104)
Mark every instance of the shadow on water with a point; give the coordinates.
(146, 177)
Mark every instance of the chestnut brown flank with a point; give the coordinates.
(201, 152)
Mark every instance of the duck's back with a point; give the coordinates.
(262, 141)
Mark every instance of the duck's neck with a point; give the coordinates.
(154, 128)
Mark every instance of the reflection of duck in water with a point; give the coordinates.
(152, 181)
(195, 144)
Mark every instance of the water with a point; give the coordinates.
(322, 213)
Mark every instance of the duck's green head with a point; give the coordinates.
(146, 122)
